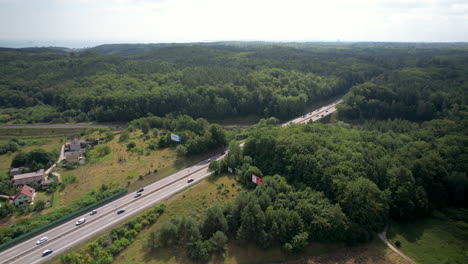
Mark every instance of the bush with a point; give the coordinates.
(130, 145)
(124, 136)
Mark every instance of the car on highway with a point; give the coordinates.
(47, 252)
(80, 221)
(189, 180)
(224, 152)
(208, 160)
(141, 190)
(42, 240)
(120, 211)
(93, 212)
(137, 195)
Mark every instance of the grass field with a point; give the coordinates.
(122, 168)
(434, 239)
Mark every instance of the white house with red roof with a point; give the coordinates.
(24, 196)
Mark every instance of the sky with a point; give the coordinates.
(156, 21)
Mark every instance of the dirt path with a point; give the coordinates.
(383, 237)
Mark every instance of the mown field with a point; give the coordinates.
(434, 239)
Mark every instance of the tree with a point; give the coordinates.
(181, 150)
(213, 220)
(199, 250)
(167, 234)
(218, 242)
(364, 203)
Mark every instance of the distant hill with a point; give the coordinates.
(41, 49)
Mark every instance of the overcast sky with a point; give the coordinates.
(213, 20)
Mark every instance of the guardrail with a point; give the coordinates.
(62, 220)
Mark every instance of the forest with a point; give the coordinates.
(223, 80)
(329, 184)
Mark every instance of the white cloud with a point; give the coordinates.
(202, 20)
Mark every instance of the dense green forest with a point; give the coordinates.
(222, 80)
(337, 183)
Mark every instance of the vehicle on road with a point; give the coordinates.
(120, 211)
(141, 190)
(137, 195)
(47, 252)
(93, 212)
(208, 160)
(224, 152)
(189, 180)
(42, 240)
(80, 221)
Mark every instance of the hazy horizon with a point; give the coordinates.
(90, 23)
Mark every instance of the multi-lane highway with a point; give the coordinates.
(68, 234)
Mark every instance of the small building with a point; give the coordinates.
(28, 178)
(24, 196)
(73, 156)
(16, 171)
(75, 149)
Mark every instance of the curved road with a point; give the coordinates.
(68, 234)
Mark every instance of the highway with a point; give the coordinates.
(68, 234)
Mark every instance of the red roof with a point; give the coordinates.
(26, 190)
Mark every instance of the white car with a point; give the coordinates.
(80, 221)
(42, 240)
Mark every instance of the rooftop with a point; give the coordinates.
(28, 175)
(26, 190)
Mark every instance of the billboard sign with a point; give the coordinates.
(257, 180)
(176, 138)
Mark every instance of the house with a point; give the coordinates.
(75, 149)
(24, 196)
(28, 178)
(74, 156)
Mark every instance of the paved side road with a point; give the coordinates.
(383, 237)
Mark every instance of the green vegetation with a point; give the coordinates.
(434, 239)
(35, 159)
(217, 81)
(106, 247)
(198, 136)
(25, 225)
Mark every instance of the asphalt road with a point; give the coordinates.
(68, 234)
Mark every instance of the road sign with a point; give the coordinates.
(257, 180)
(176, 138)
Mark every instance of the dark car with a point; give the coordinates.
(120, 211)
(93, 212)
(141, 190)
(189, 180)
(47, 252)
(224, 152)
